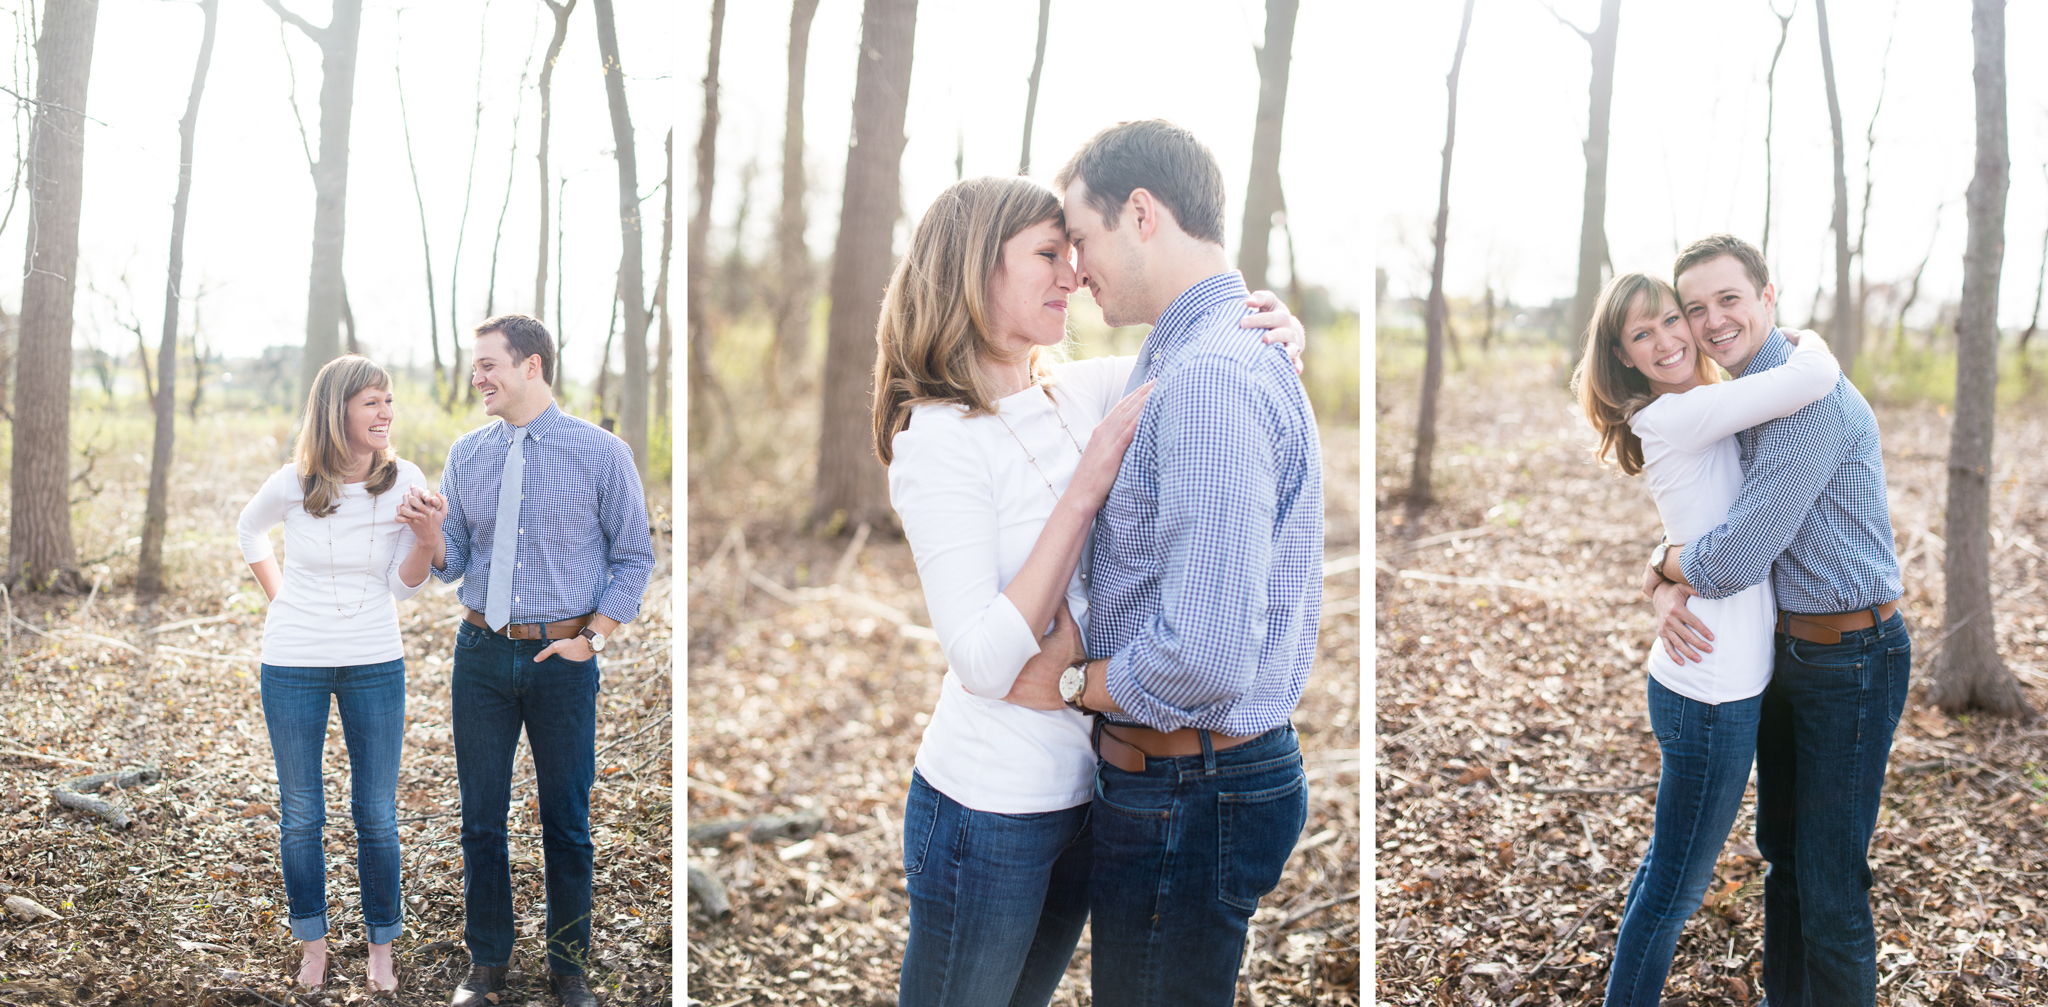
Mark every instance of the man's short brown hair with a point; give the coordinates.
(1713, 246)
(1160, 158)
(526, 337)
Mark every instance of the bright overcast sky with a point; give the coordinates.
(1105, 61)
(1687, 147)
(248, 241)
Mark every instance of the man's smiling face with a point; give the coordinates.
(1730, 318)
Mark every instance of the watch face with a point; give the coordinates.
(1072, 681)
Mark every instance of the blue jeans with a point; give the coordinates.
(1707, 750)
(372, 702)
(996, 901)
(1183, 852)
(496, 691)
(1821, 749)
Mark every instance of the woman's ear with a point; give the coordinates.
(1623, 357)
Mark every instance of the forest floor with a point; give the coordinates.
(809, 685)
(1511, 638)
(186, 906)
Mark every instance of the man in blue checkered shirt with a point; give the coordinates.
(1812, 516)
(1204, 587)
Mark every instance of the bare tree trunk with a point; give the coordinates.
(337, 42)
(420, 199)
(1870, 179)
(198, 357)
(1842, 334)
(149, 572)
(1968, 672)
(547, 78)
(456, 385)
(851, 488)
(1593, 218)
(41, 552)
(1262, 195)
(1433, 367)
(1038, 67)
(1771, 115)
(793, 259)
(703, 382)
(633, 375)
(2040, 286)
(561, 329)
(665, 333)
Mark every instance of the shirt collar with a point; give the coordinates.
(1774, 352)
(1176, 323)
(538, 428)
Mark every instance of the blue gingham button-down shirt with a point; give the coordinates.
(583, 540)
(1812, 514)
(1207, 580)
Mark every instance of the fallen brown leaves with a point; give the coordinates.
(187, 906)
(810, 681)
(1513, 741)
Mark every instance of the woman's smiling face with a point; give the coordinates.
(1657, 342)
(1028, 293)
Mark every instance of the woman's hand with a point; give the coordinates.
(1105, 452)
(423, 512)
(1281, 327)
(1037, 686)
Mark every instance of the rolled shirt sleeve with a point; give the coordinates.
(622, 513)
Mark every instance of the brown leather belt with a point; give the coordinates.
(1126, 748)
(532, 630)
(1829, 628)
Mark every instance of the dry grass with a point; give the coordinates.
(187, 906)
(1530, 674)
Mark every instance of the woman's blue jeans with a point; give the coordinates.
(1707, 750)
(996, 901)
(372, 702)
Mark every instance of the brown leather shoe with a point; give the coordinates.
(484, 987)
(574, 990)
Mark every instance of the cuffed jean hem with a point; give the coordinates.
(383, 933)
(310, 928)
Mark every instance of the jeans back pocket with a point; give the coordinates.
(1256, 833)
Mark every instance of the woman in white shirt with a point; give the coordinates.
(1661, 411)
(998, 460)
(332, 629)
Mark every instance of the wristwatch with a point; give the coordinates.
(596, 639)
(1074, 682)
(1657, 557)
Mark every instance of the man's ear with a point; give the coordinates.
(1769, 295)
(1143, 209)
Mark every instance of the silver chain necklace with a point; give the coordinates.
(333, 581)
(1027, 451)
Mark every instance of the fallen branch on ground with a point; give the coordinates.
(77, 793)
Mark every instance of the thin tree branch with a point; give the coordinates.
(318, 35)
(1561, 19)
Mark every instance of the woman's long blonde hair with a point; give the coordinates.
(321, 454)
(1610, 391)
(934, 328)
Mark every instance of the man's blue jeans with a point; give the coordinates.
(1183, 852)
(497, 690)
(1826, 733)
(1707, 750)
(372, 702)
(996, 901)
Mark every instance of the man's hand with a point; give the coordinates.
(1037, 686)
(1684, 635)
(574, 648)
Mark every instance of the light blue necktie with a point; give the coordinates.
(505, 539)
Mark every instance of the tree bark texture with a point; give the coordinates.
(1433, 366)
(337, 44)
(633, 374)
(40, 548)
(1031, 92)
(155, 514)
(1262, 193)
(1842, 334)
(794, 282)
(547, 85)
(1593, 215)
(664, 332)
(1968, 672)
(851, 484)
(702, 380)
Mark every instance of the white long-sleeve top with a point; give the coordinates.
(973, 494)
(1694, 471)
(336, 605)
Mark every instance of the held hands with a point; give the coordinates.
(1037, 687)
(1105, 452)
(1282, 327)
(1684, 635)
(423, 512)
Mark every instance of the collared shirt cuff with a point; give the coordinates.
(619, 607)
(1689, 562)
(1123, 687)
